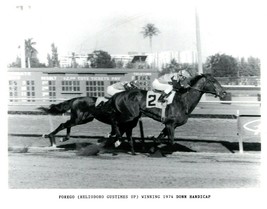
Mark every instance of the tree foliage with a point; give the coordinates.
(174, 66)
(30, 51)
(137, 65)
(35, 63)
(222, 65)
(30, 55)
(119, 64)
(100, 59)
(249, 67)
(150, 30)
(16, 63)
(53, 60)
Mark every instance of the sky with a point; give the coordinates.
(81, 26)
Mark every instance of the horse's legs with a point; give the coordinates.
(68, 133)
(113, 131)
(130, 139)
(157, 141)
(170, 131)
(52, 141)
(62, 126)
(162, 134)
(117, 130)
(67, 137)
(68, 124)
(110, 141)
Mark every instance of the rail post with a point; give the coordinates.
(239, 133)
(141, 129)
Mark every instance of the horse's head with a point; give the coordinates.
(211, 85)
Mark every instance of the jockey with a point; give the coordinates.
(163, 83)
(121, 86)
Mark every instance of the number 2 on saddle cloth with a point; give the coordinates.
(152, 102)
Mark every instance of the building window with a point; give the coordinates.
(112, 82)
(28, 90)
(68, 86)
(13, 91)
(144, 81)
(95, 88)
(52, 91)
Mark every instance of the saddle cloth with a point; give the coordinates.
(100, 99)
(152, 100)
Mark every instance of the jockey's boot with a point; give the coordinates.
(163, 97)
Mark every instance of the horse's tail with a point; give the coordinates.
(57, 109)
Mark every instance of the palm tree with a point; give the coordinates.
(29, 50)
(149, 30)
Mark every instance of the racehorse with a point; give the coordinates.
(124, 109)
(130, 105)
(83, 110)
(79, 110)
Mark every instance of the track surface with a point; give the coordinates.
(64, 169)
(179, 170)
(206, 128)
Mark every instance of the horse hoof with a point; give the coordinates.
(117, 143)
(161, 146)
(63, 139)
(152, 150)
(44, 136)
(156, 154)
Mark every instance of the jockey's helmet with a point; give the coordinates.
(134, 83)
(184, 73)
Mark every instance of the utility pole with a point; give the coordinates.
(199, 53)
(22, 9)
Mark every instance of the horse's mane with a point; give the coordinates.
(195, 79)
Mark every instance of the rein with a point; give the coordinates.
(210, 92)
(202, 90)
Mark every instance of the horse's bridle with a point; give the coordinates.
(210, 92)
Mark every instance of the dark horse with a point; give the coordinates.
(83, 110)
(129, 106)
(123, 111)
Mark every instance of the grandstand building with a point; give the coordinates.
(51, 84)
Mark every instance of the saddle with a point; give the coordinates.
(101, 100)
(157, 91)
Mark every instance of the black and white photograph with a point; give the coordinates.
(133, 102)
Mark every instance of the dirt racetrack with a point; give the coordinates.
(206, 168)
(57, 169)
